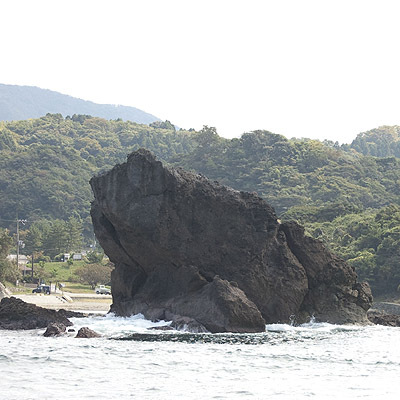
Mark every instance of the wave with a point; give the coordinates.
(138, 328)
(110, 325)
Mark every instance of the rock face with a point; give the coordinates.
(16, 314)
(185, 247)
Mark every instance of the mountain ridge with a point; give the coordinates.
(25, 102)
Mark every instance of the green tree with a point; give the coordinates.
(94, 274)
(41, 273)
(34, 237)
(8, 270)
(73, 233)
(56, 240)
(94, 257)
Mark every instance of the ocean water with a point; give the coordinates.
(312, 361)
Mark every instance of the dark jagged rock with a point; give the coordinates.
(87, 333)
(387, 307)
(55, 329)
(382, 318)
(16, 314)
(184, 246)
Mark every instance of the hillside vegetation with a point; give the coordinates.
(380, 142)
(46, 163)
(348, 200)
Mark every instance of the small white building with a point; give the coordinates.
(22, 259)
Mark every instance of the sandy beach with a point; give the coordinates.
(69, 301)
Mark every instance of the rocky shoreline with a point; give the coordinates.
(15, 314)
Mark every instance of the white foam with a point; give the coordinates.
(111, 325)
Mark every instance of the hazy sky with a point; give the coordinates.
(311, 68)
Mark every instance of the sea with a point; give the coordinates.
(132, 360)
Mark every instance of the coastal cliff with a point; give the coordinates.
(196, 252)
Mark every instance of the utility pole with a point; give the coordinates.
(18, 241)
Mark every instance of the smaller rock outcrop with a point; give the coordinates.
(16, 314)
(387, 307)
(55, 329)
(87, 333)
(382, 318)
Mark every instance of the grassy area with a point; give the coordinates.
(61, 271)
(77, 288)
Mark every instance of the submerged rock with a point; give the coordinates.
(16, 314)
(161, 328)
(184, 246)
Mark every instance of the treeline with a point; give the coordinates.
(333, 190)
(369, 241)
(45, 239)
(299, 177)
(380, 142)
(63, 237)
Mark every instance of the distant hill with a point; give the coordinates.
(379, 142)
(24, 102)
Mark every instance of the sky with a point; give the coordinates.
(319, 69)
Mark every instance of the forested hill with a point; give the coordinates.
(303, 178)
(23, 102)
(380, 142)
(350, 201)
(46, 163)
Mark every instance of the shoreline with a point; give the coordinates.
(69, 301)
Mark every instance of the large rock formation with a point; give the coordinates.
(185, 247)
